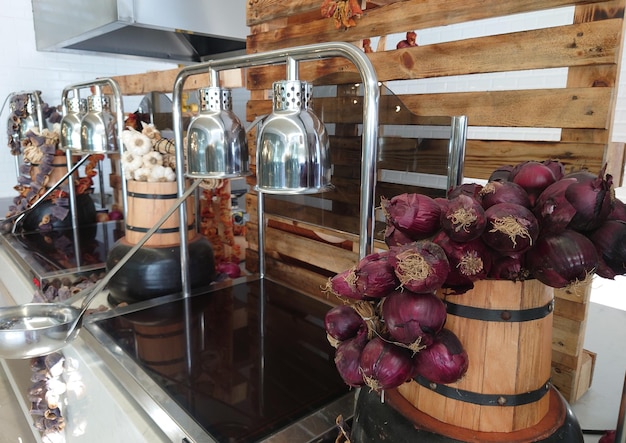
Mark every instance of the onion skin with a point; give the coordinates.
(562, 259)
(413, 318)
(464, 219)
(343, 322)
(416, 215)
(347, 359)
(385, 365)
(610, 242)
(511, 228)
(420, 267)
(496, 192)
(443, 362)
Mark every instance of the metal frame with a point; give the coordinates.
(119, 116)
(290, 57)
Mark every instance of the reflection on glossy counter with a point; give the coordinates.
(241, 371)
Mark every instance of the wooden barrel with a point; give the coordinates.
(506, 329)
(147, 202)
(59, 168)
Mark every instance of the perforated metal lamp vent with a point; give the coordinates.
(292, 144)
(70, 124)
(216, 139)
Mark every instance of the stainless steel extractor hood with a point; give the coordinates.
(178, 31)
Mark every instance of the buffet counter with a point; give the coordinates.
(97, 408)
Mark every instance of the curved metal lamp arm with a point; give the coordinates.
(290, 56)
(119, 122)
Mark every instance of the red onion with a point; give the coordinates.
(116, 215)
(508, 267)
(469, 189)
(619, 211)
(496, 192)
(347, 359)
(344, 285)
(413, 319)
(562, 259)
(557, 168)
(608, 437)
(395, 236)
(385, 365)
(415, 214)
(372, 277)
(445, 361)
(443, 203)
(464, 220)
(552, 209)
(592, 200)
(343, 322)
(579, 201)
(610, 242)
(469, 261)
(534, 177)
(233, 270)
(511, 228)
(420, 266)
(502, 174)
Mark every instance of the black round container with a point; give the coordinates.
(154, 272)
(397, 421)
(85, 208)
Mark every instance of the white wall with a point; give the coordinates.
(23, 68)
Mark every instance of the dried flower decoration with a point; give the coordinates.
(409, 41)
(343, 12)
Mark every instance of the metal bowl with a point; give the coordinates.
(36, 329)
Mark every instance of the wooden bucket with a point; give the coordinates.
(506, 329)
(59, 169)
(147, 202)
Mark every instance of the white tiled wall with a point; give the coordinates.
(23, 68)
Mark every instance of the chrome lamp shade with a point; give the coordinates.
(216, 139)
(292, 145)
(98, 132)
(70, 125)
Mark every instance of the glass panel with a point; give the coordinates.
(412, 156)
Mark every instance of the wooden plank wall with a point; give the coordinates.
(304, 254)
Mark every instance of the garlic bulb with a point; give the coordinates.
(139, 144)
(152, 159)
(142, 174)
